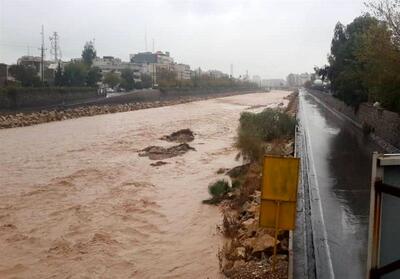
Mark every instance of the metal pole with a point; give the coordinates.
(278, 205)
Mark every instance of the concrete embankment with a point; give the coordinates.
(127, 102)
(383, 125)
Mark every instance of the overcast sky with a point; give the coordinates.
(270, 38)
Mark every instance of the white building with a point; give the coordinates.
(182, 71)
(257, 80)
(110, 64)
(273, 83)
(297, 80)
(216, 74)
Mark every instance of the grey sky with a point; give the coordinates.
(269, 38)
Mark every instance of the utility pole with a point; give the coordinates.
(153, 45)
(231, 70)
(55, 47)
(145, 38)
(42, 50)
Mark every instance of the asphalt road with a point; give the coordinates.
(338, 162)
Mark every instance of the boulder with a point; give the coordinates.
(260, 243)
(240, 252)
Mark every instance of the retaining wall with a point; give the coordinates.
(383, 123)
(24, 97)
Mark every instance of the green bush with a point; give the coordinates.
(219, 188)
(236, 184)
(255, 129)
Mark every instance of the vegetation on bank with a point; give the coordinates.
(256, 130)
(248, 248)
(364, 63)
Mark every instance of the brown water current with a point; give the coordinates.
(76, 200)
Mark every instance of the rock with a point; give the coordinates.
(253, 208)
(285, 244)
(240, 252)
(158, 163)
(159, 152)
(288, 149)
(181, 136)
(238, 171)
(238, 263)
(260, 243)
(245, 206)
(250, 226)
(221, 171)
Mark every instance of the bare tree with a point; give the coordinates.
(388, 11)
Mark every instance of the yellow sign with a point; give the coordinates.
(279, 192)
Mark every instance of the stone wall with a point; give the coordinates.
(25, 97)
(382, 123)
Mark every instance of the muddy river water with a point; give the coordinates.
(76, 200)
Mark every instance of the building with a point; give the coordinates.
(33, 61)
(110, 64)
(257, 80)
(273, 83)
(216, 74)
(182, 71)
(158, 57)
(297, 80)
(164, 58)
(143, 58)
(150, 63)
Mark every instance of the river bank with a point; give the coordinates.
(77, 199)
(126, 102)
(248, 248)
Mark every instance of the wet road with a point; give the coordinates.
(340, 156)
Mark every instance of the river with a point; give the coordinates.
(77, 201)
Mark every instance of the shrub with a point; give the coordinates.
(219, 188)
(255, 129)
(235, 184)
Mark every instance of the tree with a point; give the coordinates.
(345, 69)
(382, 66)
(112, 79)
(26, 75)
(322, 72)
(389, 12)
(88, 53)
(93, 76)
(127, 79)
(146, 81)
(75, 74)
(166, 78)
(59, 76)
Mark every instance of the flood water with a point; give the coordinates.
(342, 157)
(76, 200)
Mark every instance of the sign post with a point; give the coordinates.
(279, 195)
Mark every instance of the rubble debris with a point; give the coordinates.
(158, 163)
(181, 136)
(160, 153)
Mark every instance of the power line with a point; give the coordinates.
(42, 50)
(55, 46)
